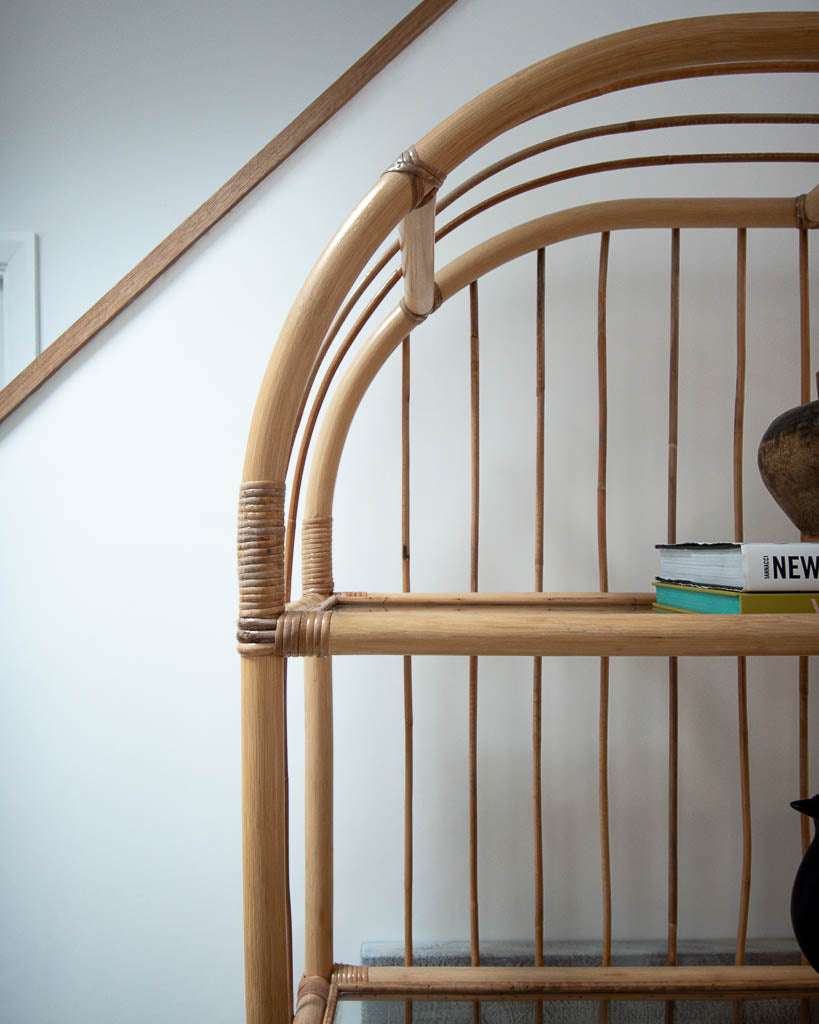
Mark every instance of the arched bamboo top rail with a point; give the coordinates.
(724, 44)
(524, 238)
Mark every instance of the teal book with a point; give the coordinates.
(676, 597)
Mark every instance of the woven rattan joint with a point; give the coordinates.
(416, 235)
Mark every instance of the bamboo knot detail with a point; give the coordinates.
(260, 548)
(312, 985)
(802, 218)
(425, 179)
(317, 555)
(419, 318)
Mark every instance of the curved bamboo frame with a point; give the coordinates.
(729, 44)
(595, 218)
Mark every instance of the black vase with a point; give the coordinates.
(805, 894)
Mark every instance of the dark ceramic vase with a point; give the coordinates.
(805, 894)
(788, 460)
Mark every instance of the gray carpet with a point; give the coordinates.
(582, 954)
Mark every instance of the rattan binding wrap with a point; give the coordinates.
(346, 973)
(317, 555)
(304, 634)
(425, 179)
(265, 627)
(419, 318)
(261, 559)
(297, 633)
(313, 986)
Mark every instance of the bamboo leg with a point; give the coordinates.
(267, 974)
(318, 826)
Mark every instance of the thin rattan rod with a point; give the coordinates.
(474, 375)
(540, 426)
(804, 662)
(804, 787)
(602, 412)
(288, 918)
(474, 391)
(804, 776)
(407, 661)
(673, 775)
(804, 317)
(624, 163)
(745, 795)
(673, 664)
(742, 681)
(804, 391)
(537, 800)
(603, 779)
(739, 396)
(537, 671)
(673, 385)
(622, 127)
(405, 465)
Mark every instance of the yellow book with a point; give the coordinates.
(677, 597)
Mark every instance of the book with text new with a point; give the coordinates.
(742, 566)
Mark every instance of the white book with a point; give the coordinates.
(742, 566)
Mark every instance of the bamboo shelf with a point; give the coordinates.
(554, 624)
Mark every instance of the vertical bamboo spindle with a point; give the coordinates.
(602, 554)
(537, 683)
(473, 661)
(805, 387)
(804, 317)
(804, 396)
(742, 682)
(673, 701)
(318, 824)
(267, 975)
(405, 586)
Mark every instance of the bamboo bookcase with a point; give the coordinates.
(323, 623)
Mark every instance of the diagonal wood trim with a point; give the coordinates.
(221, 202)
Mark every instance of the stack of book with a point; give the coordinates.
(738, 579)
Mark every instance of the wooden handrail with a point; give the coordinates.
(221, 202)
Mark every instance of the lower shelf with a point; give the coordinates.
(454, 983)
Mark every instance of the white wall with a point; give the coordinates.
(119, 119)
(120, 726)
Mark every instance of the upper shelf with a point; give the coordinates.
(554, 624)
